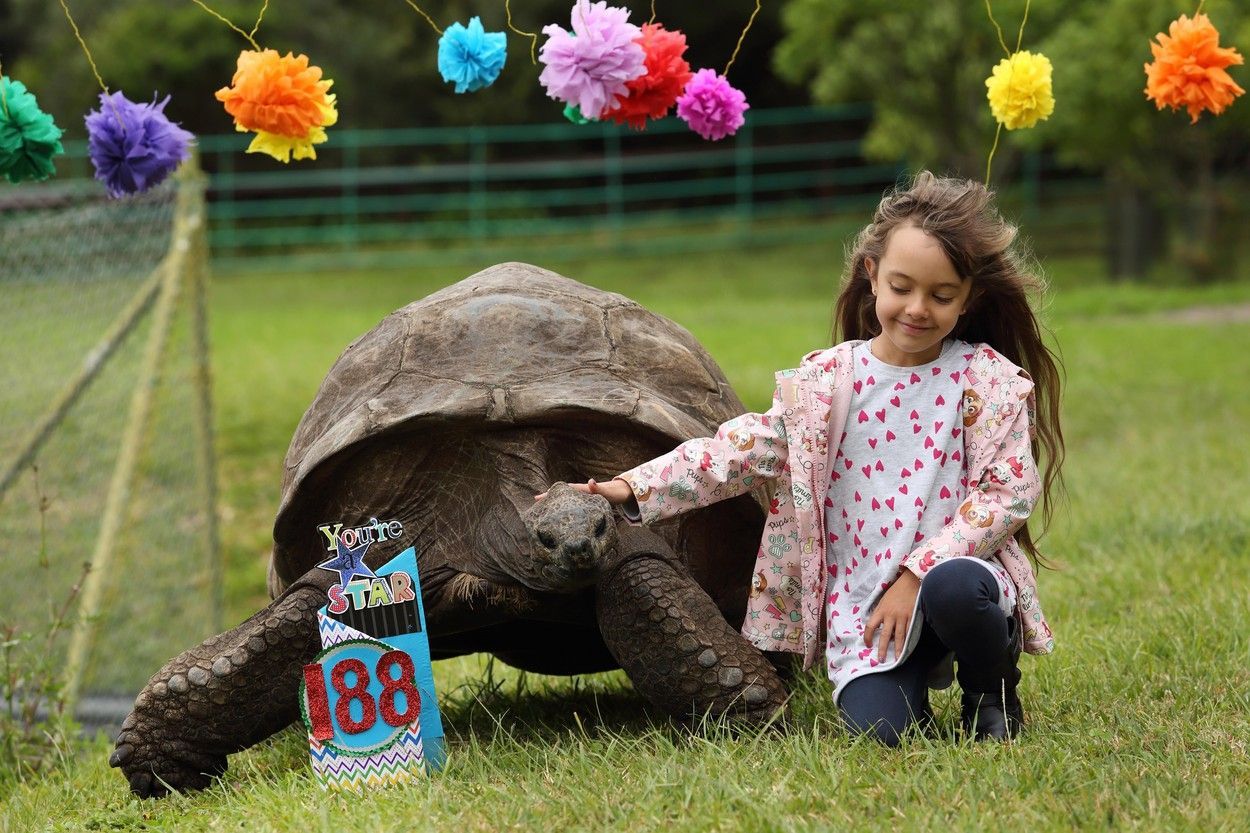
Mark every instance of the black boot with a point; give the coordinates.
(990, 709)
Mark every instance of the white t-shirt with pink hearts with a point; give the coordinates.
(898, 478)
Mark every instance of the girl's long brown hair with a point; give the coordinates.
(960, 214)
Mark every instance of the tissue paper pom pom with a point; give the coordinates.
(133, 146)
(28, 137)
(275, 94)
(711, 106)
(574, 114)
(1019, 90)
(653, 94)
(469, 57)
(1189, 68)
(282, 147)
(592, 65)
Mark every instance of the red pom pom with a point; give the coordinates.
(652, 95)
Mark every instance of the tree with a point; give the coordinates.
(922, 64)
(1160, 168)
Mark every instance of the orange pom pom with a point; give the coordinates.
(652, 95)
(276, 94)
(1189, 68)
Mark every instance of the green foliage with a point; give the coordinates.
(35, 731)
(1102, 119)
(1188, 172)
(923, 64)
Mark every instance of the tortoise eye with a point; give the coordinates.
(546, 540)
(601, 527)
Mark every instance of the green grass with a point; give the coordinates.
(1140, 720)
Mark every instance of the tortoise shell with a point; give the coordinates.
(512, 345)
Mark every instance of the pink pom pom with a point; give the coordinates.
(712, 106)
(591, 66)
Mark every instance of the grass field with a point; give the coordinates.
(1140, 720)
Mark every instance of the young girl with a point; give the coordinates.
(904, 469)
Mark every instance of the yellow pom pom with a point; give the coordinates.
(1019, 90)
(283, 148)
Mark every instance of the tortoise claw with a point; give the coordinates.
(141, 785)
(121, 754)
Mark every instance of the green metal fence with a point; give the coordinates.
(450, 194)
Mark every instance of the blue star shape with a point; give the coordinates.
(349, 562)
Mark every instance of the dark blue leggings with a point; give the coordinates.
(959, 600)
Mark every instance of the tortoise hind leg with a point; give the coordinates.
(674, 643)
(226, 694)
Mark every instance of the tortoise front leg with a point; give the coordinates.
(674, 643)
(228, 693)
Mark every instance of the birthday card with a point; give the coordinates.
(368, 697)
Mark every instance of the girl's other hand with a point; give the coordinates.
(893, 615)
(615, 491)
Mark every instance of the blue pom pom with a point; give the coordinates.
(470, 57)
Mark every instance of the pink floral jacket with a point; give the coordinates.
(794, 443)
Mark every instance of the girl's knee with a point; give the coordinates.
(959, 583)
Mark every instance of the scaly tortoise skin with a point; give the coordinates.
(450, 416)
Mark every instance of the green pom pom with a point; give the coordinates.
(28, 137)
(574, 114)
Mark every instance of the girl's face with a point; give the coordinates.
(919, 298)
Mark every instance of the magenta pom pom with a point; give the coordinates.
(133, 146)
(590, 66)
(712, 106)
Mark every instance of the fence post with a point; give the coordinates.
(478, 223)
(349, 215)
(744, 177)
(223, 184)
(613, 186)
(197, 292)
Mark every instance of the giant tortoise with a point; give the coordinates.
(451, 415)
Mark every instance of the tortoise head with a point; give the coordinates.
(571, 536)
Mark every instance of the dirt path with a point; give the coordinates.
(1232, 314)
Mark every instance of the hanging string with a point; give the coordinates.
(259, 18)
(652, 20)
(228, 22)
(429, 19)
(507, 7)
(741, 38)
(1024, 20)
(1201, 3)
(83, 44)
(91, 61)
(999, 29)
(989, 163)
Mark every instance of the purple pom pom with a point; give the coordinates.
(591, 66)
(711, 106)
(133, 146)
